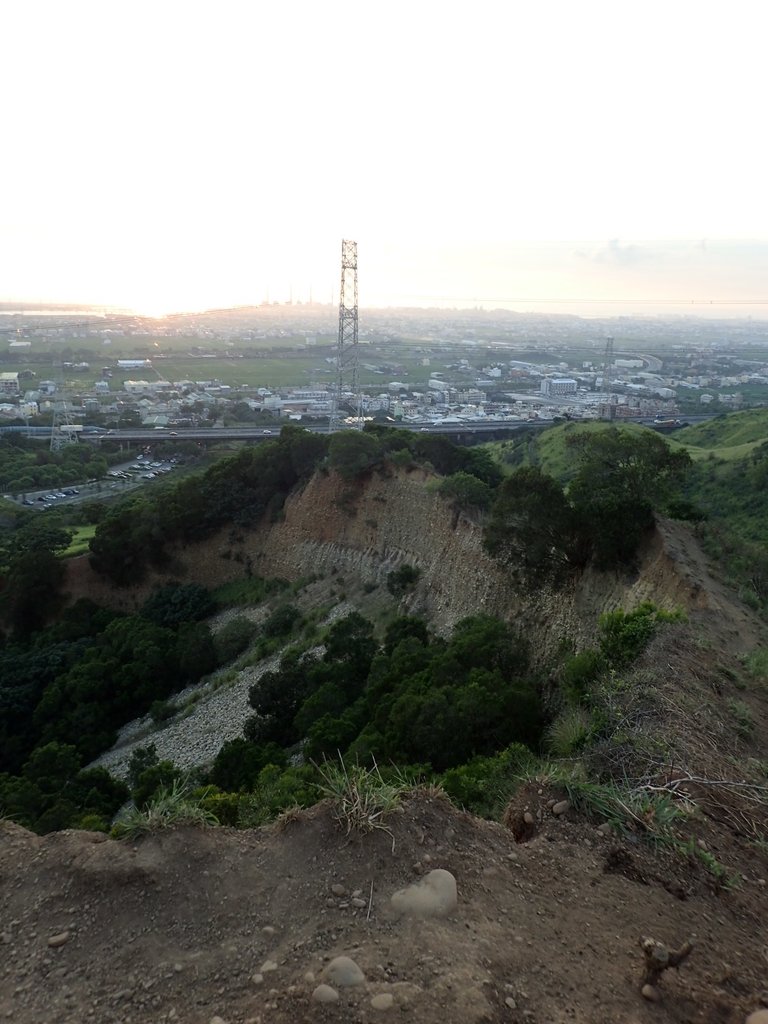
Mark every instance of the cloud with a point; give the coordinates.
(618, 254)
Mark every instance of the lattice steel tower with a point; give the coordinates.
(346, 351)
(608, 372)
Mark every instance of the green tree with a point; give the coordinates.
(622, 477)
(466, 491)
(532, 527)
(178, 602)
(352, 453)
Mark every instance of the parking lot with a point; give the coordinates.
(142, 469)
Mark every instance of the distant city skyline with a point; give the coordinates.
(562, 158)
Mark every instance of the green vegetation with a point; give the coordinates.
(727, 430)
(620, 477)
(403, 579)
(419, 699)
(724, 492)
(79, 541)
(238, 490)
(167, 808)
(244, 592)
(25, 465)
(361, 796)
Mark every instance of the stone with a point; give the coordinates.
(217, 1020)
(344, 972)
(325, 994)
(433, 896)
(528, 818)
(605, 828)
(257, 979)
(268, 930)
(510, 1002)
(268, 965)
(58, 940)
(651, 993)
(758, 1017)
(338, 890)
(383, 1001)
(561, 807)
(358, 902)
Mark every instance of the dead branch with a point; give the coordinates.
(659, 959)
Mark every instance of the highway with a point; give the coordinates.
(208, 434)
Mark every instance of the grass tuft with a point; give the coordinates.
(169, 807)
(361, 796)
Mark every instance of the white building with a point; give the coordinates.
(559, 386)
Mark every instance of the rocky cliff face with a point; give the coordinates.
(366, 529)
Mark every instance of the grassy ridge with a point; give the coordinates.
(728, 483)
(727, 431)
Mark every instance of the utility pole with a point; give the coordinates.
(346, 350)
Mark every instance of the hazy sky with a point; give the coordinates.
(170, 155)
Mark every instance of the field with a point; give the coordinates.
(79, 543)
(270, 362)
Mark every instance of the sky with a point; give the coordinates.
(570, 157)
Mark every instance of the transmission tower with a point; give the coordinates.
(61, 423)
(608, 365)
(346, 351)
(608, 373)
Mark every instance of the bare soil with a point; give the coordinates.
(175, 926)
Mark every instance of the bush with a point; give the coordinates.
(466, 491)
(171, 805)
(234, 638)
(485, 784)
(401, 580)
(176, 603)
(625, 635)
(282, 621)
(161, 711)
(569, 732)
(579, 671)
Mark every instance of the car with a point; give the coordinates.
(27, 501)
(174, 433)
(266, 431)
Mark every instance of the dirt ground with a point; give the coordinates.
(192, 925)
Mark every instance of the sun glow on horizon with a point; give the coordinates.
(232, 155)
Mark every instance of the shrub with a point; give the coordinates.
(282, 621)
(569, 732)
(176, 603)
(485, 784)
(173, 805)
(276, 791)
(401, 580)
(579, 671)
(234, 638)
(626, 634)
(466, 491)
(162, 710)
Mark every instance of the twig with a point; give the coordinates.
(659, 959)
(370, 902)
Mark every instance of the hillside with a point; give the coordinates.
(639, 809)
